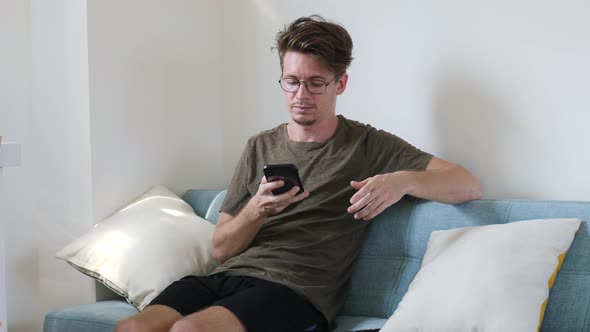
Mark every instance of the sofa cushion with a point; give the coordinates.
(485, 278)
(96, 317)
(103, 317)
(144, 247)
(356, 323)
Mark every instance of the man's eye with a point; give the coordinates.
(316, 84)
(291, 81)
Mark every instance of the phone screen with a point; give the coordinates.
(286, 172)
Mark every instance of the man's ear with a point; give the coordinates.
(342, 81)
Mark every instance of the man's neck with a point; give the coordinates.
(319, 132)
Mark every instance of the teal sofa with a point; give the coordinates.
(390, 259)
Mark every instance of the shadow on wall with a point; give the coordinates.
(474, 128)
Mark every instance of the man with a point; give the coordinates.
(285, 259)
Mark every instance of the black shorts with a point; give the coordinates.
(259, 304)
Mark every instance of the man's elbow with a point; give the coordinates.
(473, 191)
(220, 255)
(222, 251)
(471, 188)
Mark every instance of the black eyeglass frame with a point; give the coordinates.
(305, 83)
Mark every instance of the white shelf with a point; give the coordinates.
(9, 154)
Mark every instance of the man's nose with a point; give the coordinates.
(302, 93)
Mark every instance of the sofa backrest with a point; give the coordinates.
(397, 242)
(205, 202)
(393, 253)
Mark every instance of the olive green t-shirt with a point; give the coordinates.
(311, 246)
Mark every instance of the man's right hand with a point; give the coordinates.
(266, 204)
(233, 234)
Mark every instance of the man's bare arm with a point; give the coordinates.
(234, 234)
(441, 181)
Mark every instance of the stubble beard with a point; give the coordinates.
(307, 123)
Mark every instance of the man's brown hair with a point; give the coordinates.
(329, 41)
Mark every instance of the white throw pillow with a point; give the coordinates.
(485, 278)
(141, 249)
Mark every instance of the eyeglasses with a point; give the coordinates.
(314, 86)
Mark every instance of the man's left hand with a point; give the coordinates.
(441, 181)
(376, 193)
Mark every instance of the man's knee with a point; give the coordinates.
(212, 319)
(184, 325)
(151, 319)
(128, 325)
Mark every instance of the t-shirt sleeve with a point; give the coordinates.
(391, 153)
(237, 192)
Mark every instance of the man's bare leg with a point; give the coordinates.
(154, 318)
(212, 319)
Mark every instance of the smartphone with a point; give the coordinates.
(285, 172)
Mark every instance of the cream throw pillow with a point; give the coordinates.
(485, 278)
(141, 249)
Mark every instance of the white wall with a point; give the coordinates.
(60, 149)
(249, 72)
(101, 116)
(153, 98)
(499, 87)
(15, 118)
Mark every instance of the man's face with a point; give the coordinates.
(306, 108)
